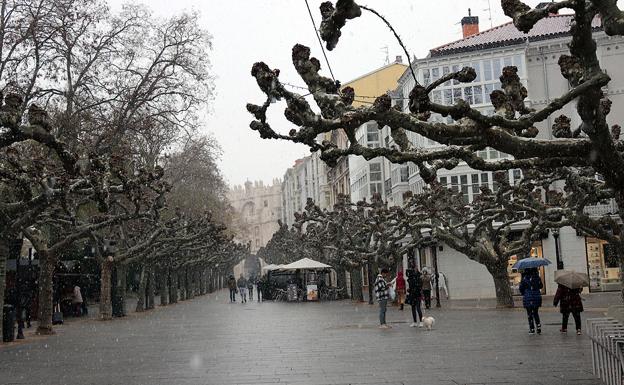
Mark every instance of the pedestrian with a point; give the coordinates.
(426, 288)
(260, 288)
(242, 288)
(530, 288)
(381, 292)
(250, 287)
(400, 289)
(414, 292)
(232, 287)
(77, 301)
(569, 301)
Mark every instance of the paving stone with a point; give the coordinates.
(208, 341)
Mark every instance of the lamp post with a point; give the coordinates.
(555, 233)
(434, 255)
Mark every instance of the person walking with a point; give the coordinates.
(242, 288)
(569, 301)
(414, 292)
(250, 287)
(530, 288)
(232, 287)
(400, 289)
(77, 301)
(426, 288)
(381, 292)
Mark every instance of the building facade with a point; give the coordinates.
(369, 177)
(258, 207)
(536, 56)
(307, 178)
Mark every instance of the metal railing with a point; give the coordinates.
(607, 346)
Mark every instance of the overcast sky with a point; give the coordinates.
(246, 31)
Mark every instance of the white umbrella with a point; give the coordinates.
(571, 279)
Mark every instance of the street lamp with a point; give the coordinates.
(555, 233)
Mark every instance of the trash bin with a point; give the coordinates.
(8, 323)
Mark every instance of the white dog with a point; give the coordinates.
(428, 322)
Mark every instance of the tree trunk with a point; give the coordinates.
(356, 285)
(140, 306)
(182, 283)
(504, 295)
(121, 289)
(202, 282)
(173, 286)
(164, 288)
(151, 287)
(341, 281)
(4, 255)
(46, 287)
(106, 306)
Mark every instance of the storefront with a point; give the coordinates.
(602, 265)
(515, 276)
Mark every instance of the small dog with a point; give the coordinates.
(428, 322)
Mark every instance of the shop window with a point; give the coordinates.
(603, 266)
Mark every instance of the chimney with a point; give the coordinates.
(470, 25)
(398, 59)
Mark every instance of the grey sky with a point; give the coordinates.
(246, 31)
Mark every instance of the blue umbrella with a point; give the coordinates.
(530, 262)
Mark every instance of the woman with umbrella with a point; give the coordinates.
(531, 290)
(568, 297)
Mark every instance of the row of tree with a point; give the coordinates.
(499, 223)
(563, 171)
(100, 145)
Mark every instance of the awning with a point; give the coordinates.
(305, 264)
(272, 267)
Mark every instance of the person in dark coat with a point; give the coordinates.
(569, 301)
(232, 286)
(414, 291)
(530, 288)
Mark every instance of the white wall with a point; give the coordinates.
(466, 278)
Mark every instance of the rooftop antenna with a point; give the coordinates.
(385, 49)
(489, 9)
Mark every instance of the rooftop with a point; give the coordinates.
(506, 34)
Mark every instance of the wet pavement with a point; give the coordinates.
(210, 341)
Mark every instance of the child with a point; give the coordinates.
(530, 288)
(569, 301)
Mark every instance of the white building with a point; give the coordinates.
(306, 179)
(535, 55)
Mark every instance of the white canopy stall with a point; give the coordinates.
(311, 280)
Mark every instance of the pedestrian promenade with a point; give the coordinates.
(207, 340)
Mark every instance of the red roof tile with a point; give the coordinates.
(507, 34)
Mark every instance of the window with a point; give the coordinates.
(437, 96)
(455, 69)
(477, 94)
(487, 70)
(519, 63)
(488, 90)
(404, 174)
(497, 68)
(445, 71)
(435, 74)
(448, 96)
(464, 187)
(468, 95)
(443, 181)
(455, 183)
(477, 68)
(375, 178)
(457, 94)
(426, 77)
(372, 135)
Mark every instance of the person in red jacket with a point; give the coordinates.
(569, 301)
(400, 289)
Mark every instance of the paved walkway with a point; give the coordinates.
(209, 341)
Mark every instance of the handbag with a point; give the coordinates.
(57, 316)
